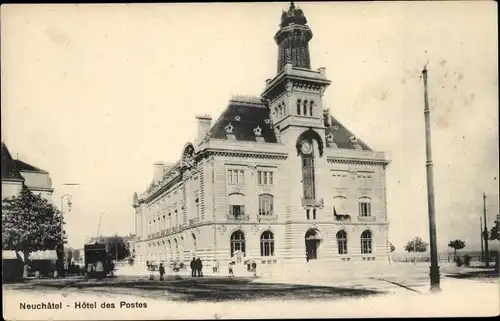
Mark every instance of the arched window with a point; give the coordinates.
(266, 204)
(304, 108)
(365, 208)
(340, 205)
(236, 205)
(311, 104)
(342, 242)
(267, 244)
(237, 242)
(298, 106)
(366, 242)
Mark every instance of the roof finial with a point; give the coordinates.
(292, 5)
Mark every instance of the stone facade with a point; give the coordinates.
(275, 179)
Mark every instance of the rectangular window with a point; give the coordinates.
(308, 178)
(235, 176)
(265, 178)
(237, 210)
(364, 209)
(266, 204)
(197, 208)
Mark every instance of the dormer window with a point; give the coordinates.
(237, 118)
(229, 128)
(267, 121)
(329, 137)
(257, 131)
(336, 127)
(354, 139)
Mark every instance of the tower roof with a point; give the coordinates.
(293, 16)
(244, 114)
(9, 169)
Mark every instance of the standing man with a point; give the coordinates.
(199, 265)
(193, 267)
(162, 271)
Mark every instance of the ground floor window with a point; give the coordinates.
(237, 242)
(342, 242)
(267, 244)
(366, 242)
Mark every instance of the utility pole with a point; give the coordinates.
(486, 250)
(481, 234)
(434, 269)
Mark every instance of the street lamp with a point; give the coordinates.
(434, 269)
(68, 197)
(485, 234)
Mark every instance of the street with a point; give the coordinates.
(178, 297)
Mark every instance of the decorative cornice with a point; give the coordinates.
(247, 154)
(352, 160)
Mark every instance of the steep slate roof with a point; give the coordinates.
(251, 115)
(22, 166)
(342, 136)
(9, 169)
(254, 114)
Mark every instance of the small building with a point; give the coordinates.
(16, 173)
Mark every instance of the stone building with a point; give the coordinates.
(15, 173)
(276, 178)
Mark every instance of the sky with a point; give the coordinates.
(95, 94)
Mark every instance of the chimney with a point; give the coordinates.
(158, 168)
(322, 71)
(204, 125)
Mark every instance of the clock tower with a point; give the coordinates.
(295, 101)
(294, 95)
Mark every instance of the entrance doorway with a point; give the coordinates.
(313, 240)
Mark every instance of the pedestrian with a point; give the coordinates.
(193, 267)
(254, 268)
(199, 265)
(214, 267)
(217, 266)
(307, 257)
(162, 271)
(230, 268)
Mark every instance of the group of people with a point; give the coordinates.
(196, 267)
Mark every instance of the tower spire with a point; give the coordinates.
(293, 39)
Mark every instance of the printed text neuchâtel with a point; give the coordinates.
(82, 305)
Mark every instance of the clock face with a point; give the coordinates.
(306, 147)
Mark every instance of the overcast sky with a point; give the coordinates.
(95, 94)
